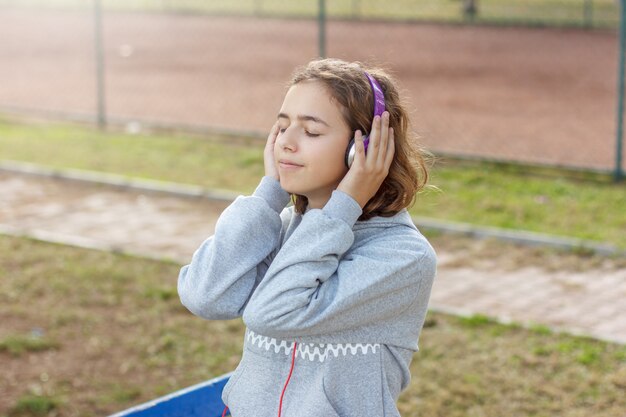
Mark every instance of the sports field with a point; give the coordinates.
(540, 95)
(88, 333)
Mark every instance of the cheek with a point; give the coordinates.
(332, 159)
(339, 151)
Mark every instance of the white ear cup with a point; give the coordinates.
(350, 152)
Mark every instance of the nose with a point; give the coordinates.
(287, 140)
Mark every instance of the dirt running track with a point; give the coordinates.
(539, 95)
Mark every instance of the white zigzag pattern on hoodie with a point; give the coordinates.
(311, 351)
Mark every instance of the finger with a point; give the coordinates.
(269, 161)
(359, 155)
(384, 138)
(274, 127)
(391, 149)
(271, 138)
(374, 141)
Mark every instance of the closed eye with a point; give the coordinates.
(306, 132)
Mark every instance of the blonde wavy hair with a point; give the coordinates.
(349, 86)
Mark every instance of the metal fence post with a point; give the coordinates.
(356, 9)
(322, 28)
(99, 64)
(470, 9)
(619, 171)
(588, 13)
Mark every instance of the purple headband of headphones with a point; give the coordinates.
(379, 108)
(379, 103)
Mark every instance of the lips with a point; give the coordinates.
(288, 164)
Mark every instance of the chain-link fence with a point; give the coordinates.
(532, 81)
(586, 13)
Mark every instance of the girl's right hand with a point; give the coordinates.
(271, 170)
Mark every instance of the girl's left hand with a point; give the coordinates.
(368, 172)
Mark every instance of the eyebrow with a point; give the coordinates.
(304, 117)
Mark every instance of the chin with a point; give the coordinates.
(294, 188)
(290, 188)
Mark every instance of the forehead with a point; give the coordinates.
(312, 98)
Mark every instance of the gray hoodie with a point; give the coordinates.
(350, 296)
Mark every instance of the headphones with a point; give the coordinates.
(379, 108)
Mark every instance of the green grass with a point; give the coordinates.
(170, 158)
(33, 405)
(122, 343)
(476, 320)
(486, 194)
(604, 13)
(19, 344)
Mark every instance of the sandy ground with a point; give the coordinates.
(535, 95)
(565, 291)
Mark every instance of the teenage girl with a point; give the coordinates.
(333, 289)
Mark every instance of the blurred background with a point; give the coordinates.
(531, 81)
(127, 126)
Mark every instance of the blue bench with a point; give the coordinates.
(201, 400)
